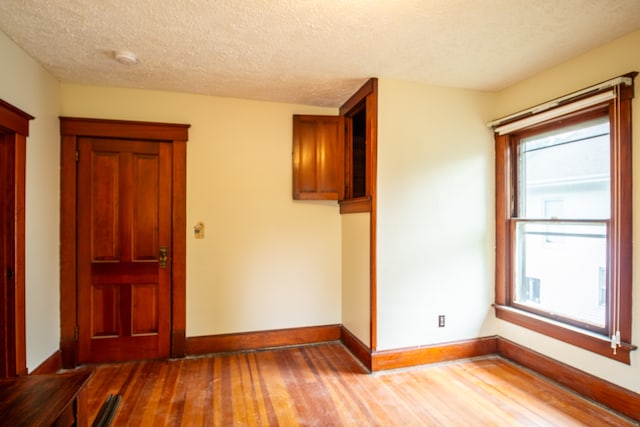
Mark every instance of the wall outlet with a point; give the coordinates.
(441, 321)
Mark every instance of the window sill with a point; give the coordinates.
(362, 204)
(580, 338)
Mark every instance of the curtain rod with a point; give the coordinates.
(628, 81)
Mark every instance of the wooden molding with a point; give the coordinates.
(372, 130)
(356, 347)
(20, 270)
(502, 212)
(412, 356)
(178, 343)
(50, 366)
(261, 339)
(14, 124)
(574, 336)
(68, 248)
(365, 90)
(14, 118)
(152, 131)
(355, 205)
(615, 397)
(179, 258)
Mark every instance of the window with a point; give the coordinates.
(563, 218)
(563, 248)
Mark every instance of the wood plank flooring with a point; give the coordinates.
(322, 385)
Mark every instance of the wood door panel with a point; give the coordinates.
(318, 161)
(105, 219)
(145, 321)
(146, 192)
(105, 301)
(327, 151)
(124, 207)
(308, 164)
(108, 320)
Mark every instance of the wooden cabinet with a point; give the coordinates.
(334, 157)
(318, 157)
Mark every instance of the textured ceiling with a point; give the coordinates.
(315, 52)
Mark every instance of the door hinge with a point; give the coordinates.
(75, 333)
(77, 156)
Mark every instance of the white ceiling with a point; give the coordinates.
(315, 52)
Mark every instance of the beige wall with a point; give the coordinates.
(267, 261)
(609, 61)
(356, 295)
(29, 87)
(435, 214)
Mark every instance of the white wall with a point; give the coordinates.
(267, 262)
(611, 60)
(356, 284)
(435, 214)
(26, 85)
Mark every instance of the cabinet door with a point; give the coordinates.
(318, 157)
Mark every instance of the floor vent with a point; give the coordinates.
(107, 411)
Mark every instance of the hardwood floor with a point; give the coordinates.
(322, 385)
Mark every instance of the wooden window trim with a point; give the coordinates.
(70, 130)
(578, 337)
(505, 205)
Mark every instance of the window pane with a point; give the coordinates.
(561, 269)
(565, 173)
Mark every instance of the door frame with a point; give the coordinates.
(72, 128)
(15, 124)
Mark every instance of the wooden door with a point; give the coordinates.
(124, 244)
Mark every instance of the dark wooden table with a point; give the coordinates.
(43, 400)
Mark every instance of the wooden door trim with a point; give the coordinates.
(16, 123)
(72, 128)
